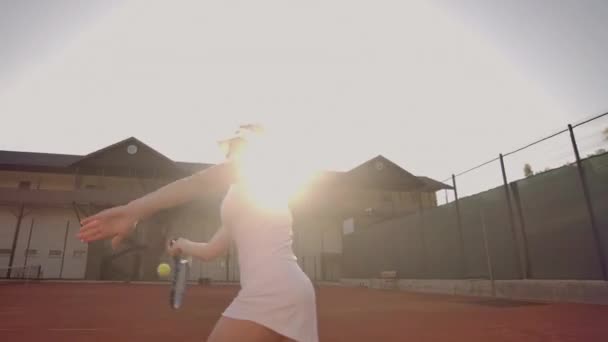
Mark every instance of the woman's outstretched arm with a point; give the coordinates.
(182, 191)
(118, 222)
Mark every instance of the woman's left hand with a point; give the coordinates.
(114, 223)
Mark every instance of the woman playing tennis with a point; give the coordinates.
(277, 300)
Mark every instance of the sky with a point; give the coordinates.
(436, 86)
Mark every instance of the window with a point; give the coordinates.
(31, 252)
(94, 187)
(348, 226)
(132, 149)
(55, 253)
(25, 185)
(79, 253)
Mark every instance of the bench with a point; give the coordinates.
(388, 280)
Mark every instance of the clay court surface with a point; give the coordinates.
(129, 312)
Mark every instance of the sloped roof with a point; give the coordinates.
(193, 167)
(383, 173)
(390, 176)
(36, 159)
(131, 140)
(431, 185)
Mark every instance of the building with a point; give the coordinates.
(44, 196)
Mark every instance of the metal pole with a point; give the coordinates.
(77, 212)
(65, 243)
(524, 235)
(455, 188)
(585, 186)
(486, 246)
(322, 256)
(422, 239)
(510, 213)
(77, 178)
(27, 248)
(315, 267)
(15, 237)
(463, 264)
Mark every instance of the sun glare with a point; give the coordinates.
(276, 171)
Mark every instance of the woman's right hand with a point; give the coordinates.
(114, 223)
(175, 248)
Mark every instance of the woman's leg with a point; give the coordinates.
(229, 330)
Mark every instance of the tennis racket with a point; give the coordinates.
(179, 280)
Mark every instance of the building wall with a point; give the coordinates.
(44, 181)
(67, 182)
(56, 182)
(119, 183)
(45, 229)
(48, 243)
(58, 256)
(317, 239)
(388, 202)
(8, 220)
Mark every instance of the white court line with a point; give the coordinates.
(53, 329)
(74, 329)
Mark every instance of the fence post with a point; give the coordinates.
(524, 236)
(27, 247)
(321, 254)
(15, 237)
(65, 243)
(487, 249)
(314, 258)
(585, 186)
(463, 264)
(511, 220)
(422, 238)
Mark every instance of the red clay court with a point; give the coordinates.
(136, 312)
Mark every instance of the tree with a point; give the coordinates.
(597, 152)
(528, 170)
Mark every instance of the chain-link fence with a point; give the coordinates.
(540, 211)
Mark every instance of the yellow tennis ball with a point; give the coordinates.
(163, 270)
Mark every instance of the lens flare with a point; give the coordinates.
(275, 171)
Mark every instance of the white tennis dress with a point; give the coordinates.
(275, 292)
